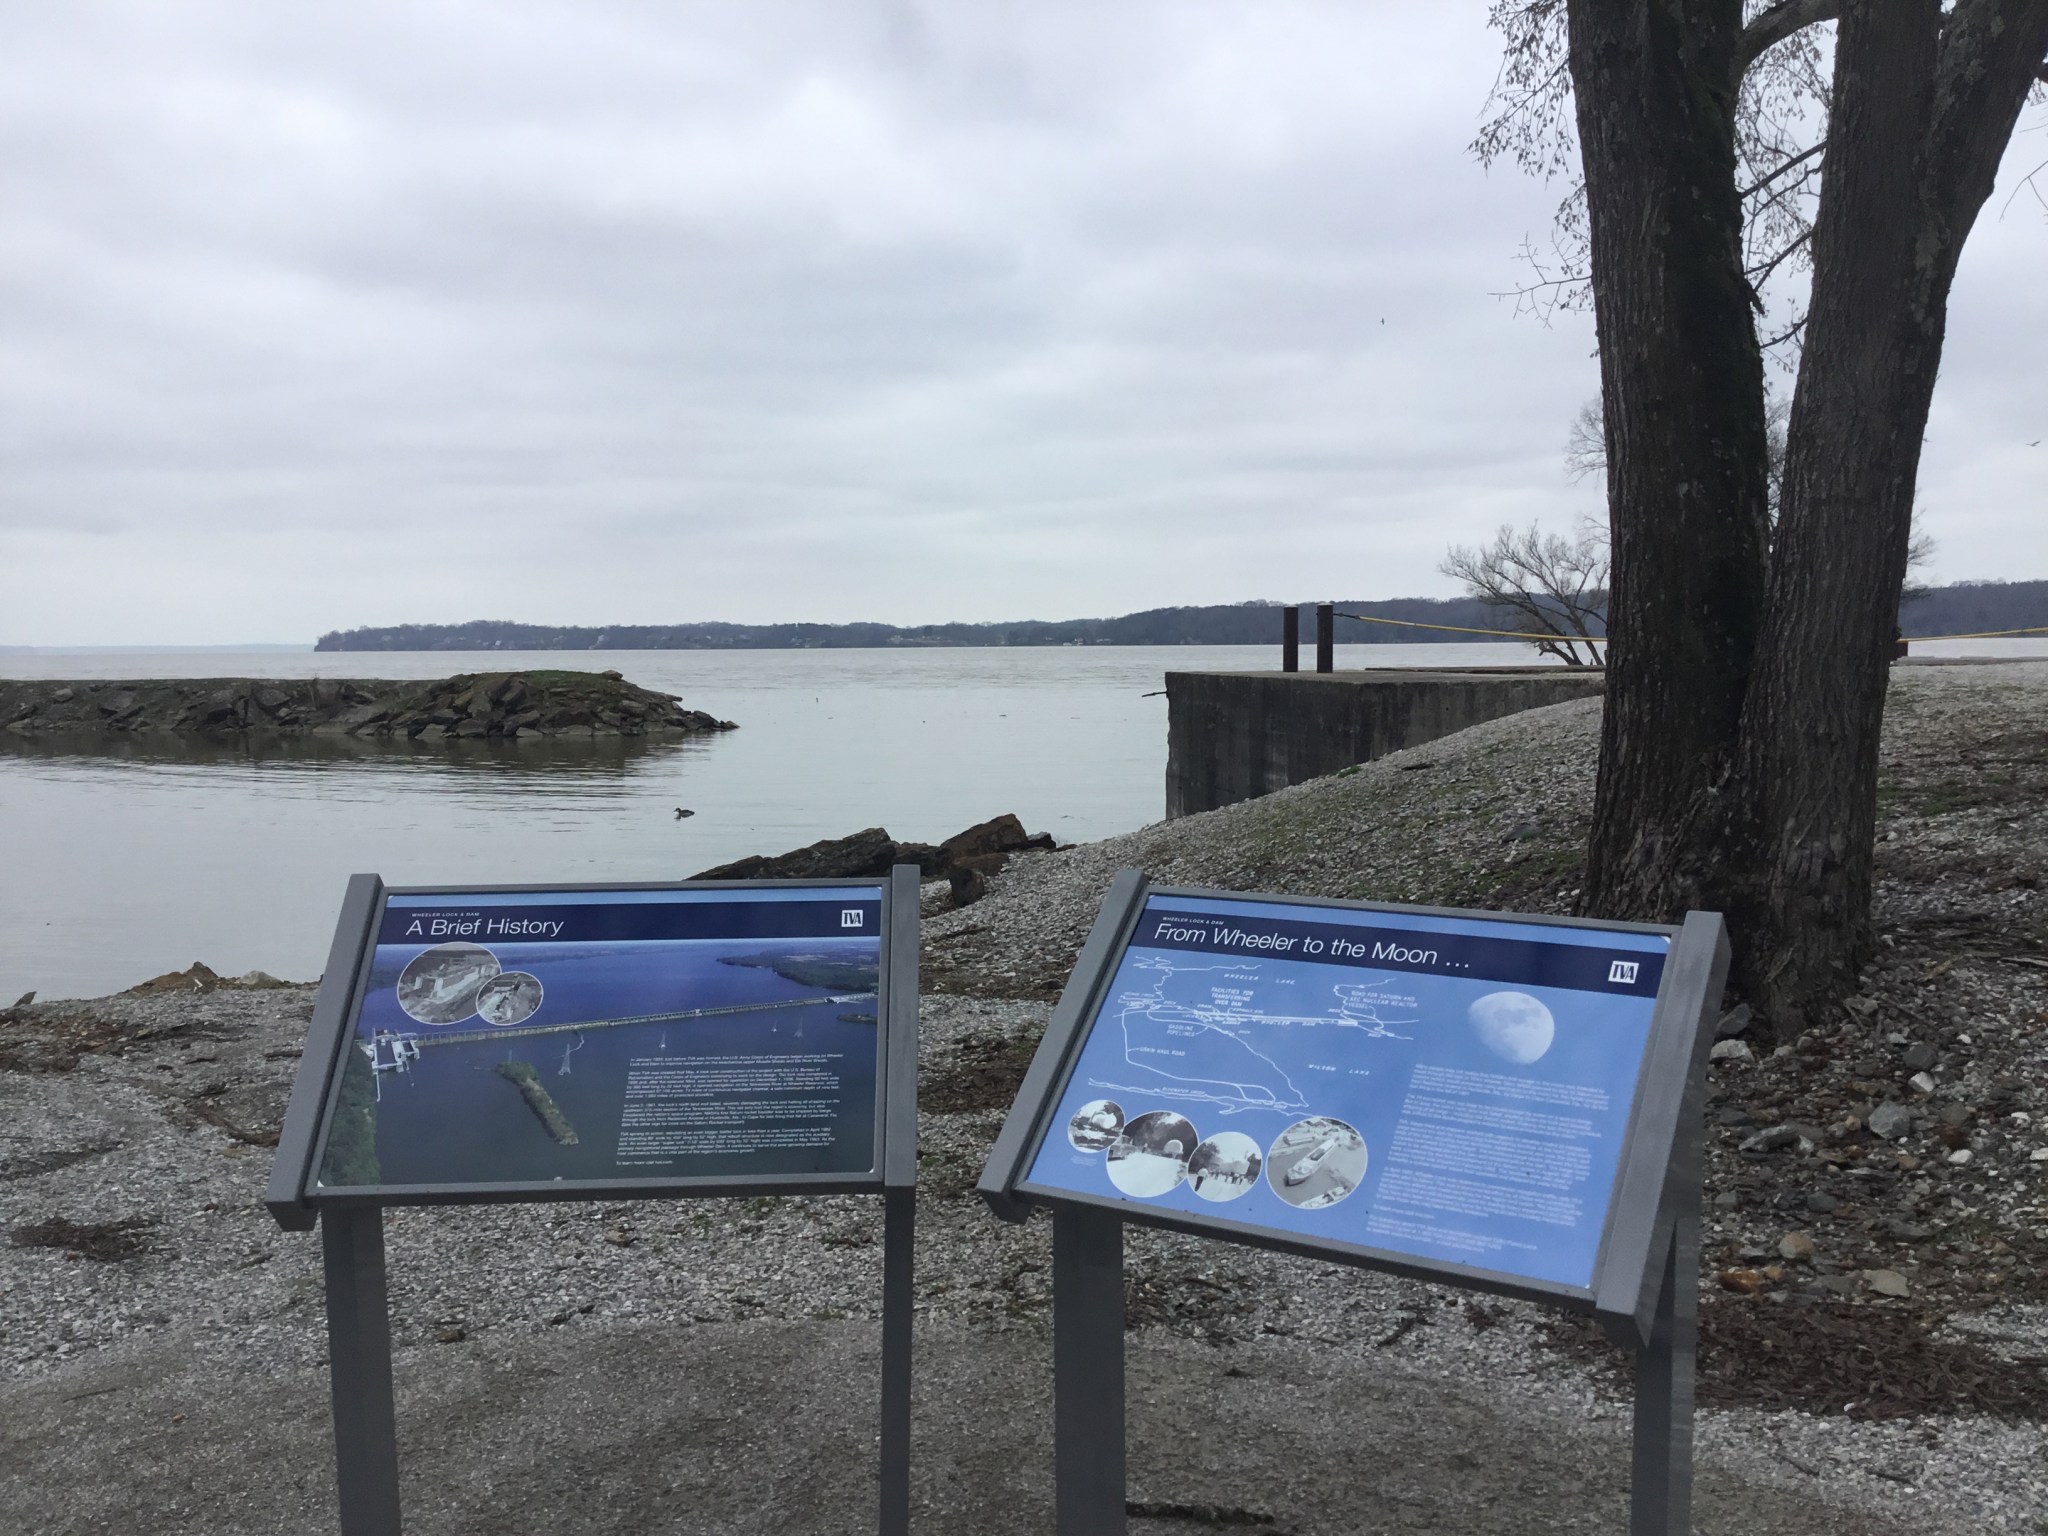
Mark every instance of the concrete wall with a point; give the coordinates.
(1236, 735)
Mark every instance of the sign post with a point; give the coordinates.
(599, 1042)
(1500, 1102)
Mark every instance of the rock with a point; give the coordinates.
(2038, 1155)
(1886, 1282)
(1889, 1121)
(63, 696)
(1746, 1281)
(1727, 1200)
(1734, 1022)
(471, 728)
(450, 1335)
(1776, 1138)
(969, 886)
(28, 997)
(1731, 1050)
(870, 851)
(1906, 1231)
(981, 850)
(1821, 1202)
(1955, 1114)
(1920, 1082)
(1918, 1057)
(199, 977)
(617, 677)
(1001, 834)
(362, 706)
(1734, 1114)
(1960, 1156)
(1797, 1247)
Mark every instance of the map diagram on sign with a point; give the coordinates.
(1243, 1035)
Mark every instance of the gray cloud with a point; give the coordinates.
(317, 316)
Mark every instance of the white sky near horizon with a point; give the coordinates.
(316, 316)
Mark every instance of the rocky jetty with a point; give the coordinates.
(471, 705)
(966, 859)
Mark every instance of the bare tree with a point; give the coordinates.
(1718, 150)
(1552, 587)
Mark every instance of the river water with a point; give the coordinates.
(122, 859)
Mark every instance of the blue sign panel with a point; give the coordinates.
(1441, 1089)
(597, 1037)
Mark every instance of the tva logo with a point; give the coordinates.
(1623, 971)
(850, 917)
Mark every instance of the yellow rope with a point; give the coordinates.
(1512, 634)
(1461, 629)
(1988, 634)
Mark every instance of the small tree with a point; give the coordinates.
(1552, 587)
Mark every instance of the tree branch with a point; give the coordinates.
(1761, 274)
(1797, 160)
(1773, 26)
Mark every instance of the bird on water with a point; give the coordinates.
(681, 813)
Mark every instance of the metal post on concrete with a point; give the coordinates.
(899, 1210)
(1326, 637)
(1088, 1372)
(1290, 639)
(359, 1370)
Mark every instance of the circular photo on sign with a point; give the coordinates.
(439, 985)
(510, 997)
(1096, 1125)
(1315, 1162)
(1513, 1025)
(1225, 1166)
(1151, 1156)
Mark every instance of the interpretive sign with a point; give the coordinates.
(1451, 1090)
(1494, 1100)
(503, 1040)
(599, 1042)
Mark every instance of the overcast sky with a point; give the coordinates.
(318, 315)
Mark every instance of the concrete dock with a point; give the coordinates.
(1236, 735)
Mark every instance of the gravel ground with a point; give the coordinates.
(712, 1361)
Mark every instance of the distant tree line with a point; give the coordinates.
(1963, 608)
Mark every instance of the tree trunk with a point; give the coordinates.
(1682, 393)
(1916, 129)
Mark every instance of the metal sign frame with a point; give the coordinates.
(1641, 1293)
(351, 1220)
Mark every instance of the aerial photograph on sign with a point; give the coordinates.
(1444, 1089)
(611, 1035)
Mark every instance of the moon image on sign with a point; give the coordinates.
(1513, 1025)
